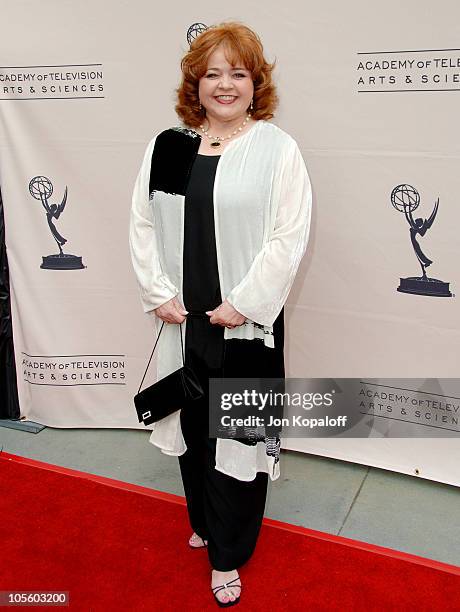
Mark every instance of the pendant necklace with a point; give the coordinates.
(217, 140)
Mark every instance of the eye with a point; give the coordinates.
(237, 74)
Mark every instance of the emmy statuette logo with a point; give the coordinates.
(406, 199)
(41, 188)
(194, 31)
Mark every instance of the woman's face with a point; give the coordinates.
(223, 79)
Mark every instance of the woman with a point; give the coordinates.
(219, 222)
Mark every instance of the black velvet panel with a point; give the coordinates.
(172, 159)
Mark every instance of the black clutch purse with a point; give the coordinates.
(169, 394)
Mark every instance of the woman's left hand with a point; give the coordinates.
(226, 315)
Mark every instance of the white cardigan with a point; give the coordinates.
(262, 210)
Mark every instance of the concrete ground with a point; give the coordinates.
(368, 504)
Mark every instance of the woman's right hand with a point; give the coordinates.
(171, 312)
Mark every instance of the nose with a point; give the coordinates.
(225, 82)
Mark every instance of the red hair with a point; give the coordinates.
(240, 44)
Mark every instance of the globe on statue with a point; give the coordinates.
(194, 31)
(40, 187)
(405, 197)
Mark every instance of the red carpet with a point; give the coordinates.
(118, 547)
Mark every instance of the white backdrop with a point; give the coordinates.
(371, 102)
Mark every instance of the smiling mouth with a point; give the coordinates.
(225, 100)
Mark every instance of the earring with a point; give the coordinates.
(252, 105)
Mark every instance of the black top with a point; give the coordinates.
(201, 288)
(204, 345)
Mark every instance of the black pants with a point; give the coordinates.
(223, 510)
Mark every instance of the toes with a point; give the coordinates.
(231, 595)
(228, 594)
(225, 598)
(197, 541)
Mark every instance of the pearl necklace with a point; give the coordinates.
(218, 139)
